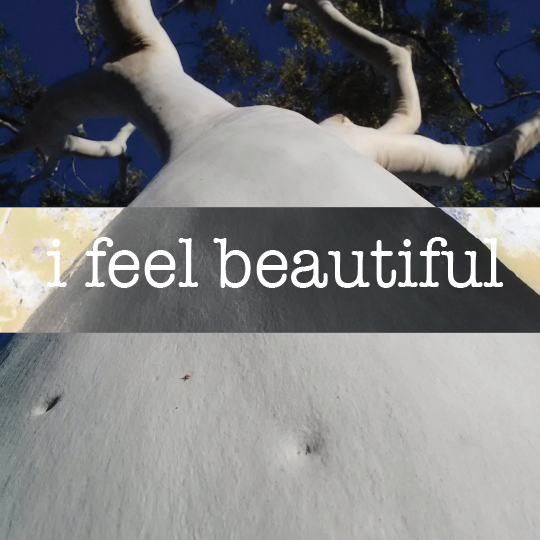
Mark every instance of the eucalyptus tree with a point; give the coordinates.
(260, 435)
(311, 81)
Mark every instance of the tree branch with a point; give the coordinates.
(88, 45)
(505, 51)
(11, 120)
(95, 93)
(381, 15)
(173, 8)
(130, 25)
(415, 158)
(393, 61)
(451, 72)
(7, 125)
(84, 198)
(51, 166)
(519, 95)
(86, 148)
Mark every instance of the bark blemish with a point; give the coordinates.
(47, 405)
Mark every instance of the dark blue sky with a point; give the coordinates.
(46, 33)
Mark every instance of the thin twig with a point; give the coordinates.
(167, 12)
(74, 169)
(79, 196)
(381, 15)
(87, 42)
(450, 70)
(51, 166)
(519, 95)
(8, 126)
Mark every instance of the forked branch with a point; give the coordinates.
(112, 90)
(394, 146)
(86, 148)
(393, 61)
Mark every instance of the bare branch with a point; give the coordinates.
(453, 75)
(7, 125)
(173, 8)
(85, 148)
(192, 43)
(526, 176)
(393, 61)
(87, 43)
(130, 25)
(123, 165)
(502, 52)
(519, 95)
(11, 120)
(84, 198)
(381, 15)
(51, 166)
(92, 94)
(414, 158)
(76, 175)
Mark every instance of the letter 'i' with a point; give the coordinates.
(56, 256)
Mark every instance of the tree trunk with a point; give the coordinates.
(272, 436)
(254, 436)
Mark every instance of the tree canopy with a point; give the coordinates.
(305, 71)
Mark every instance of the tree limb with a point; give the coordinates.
(451, 72)
(51, 166)
(84, 198)
(393, 61)
(130, 25)
(173, 8)
(519, 95)
(91, 60)
(11, 120)
(505, 51)
(86, 148)
(7, 125)
(415, 158)
(95, 93)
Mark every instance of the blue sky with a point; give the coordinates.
(46, 33)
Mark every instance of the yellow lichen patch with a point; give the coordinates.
(518, 237)
(26, 234)
(524, 265)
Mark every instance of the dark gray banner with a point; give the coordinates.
(316, 283)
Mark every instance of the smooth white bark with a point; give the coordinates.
(393, 61)
(272, 436)
(415, 158)
(304, 437)
(79, 147)
(394, 146)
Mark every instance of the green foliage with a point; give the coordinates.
(195, 6)
(87, 25)
(471, 16)
(307, 33)
(117, 194)
(19, 89)
(54, 197)
(535, 37)
(226, 54)
(465, 195)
